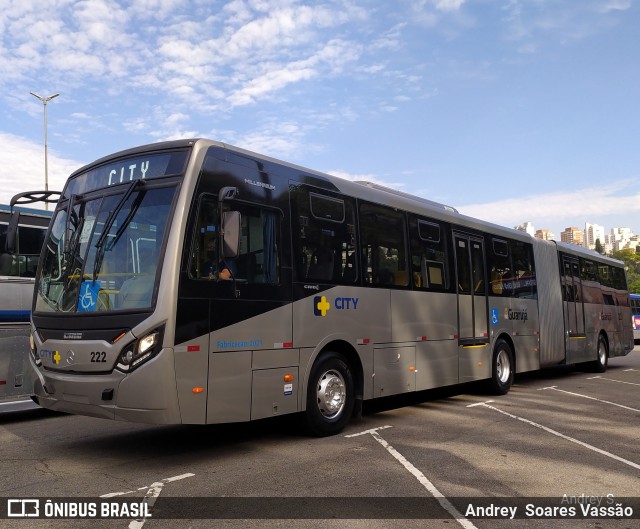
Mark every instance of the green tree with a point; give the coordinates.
(599, 247)
(631, 260)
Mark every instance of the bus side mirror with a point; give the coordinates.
(12, 231)
(230, 234)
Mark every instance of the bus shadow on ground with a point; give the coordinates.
(546, 376)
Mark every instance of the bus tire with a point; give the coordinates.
(502, 368)
(599, 365)
(330, 395)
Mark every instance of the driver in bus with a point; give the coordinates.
(214, 268)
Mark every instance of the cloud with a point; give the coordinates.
(448, 5)
(545, 210)
(613, 5)
(533, 24)
(22, 167)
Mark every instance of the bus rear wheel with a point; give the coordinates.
(330, 395)
(502, 368)
(599, 365)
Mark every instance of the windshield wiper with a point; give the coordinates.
(70, 213)
(100, 243)
(134, 208)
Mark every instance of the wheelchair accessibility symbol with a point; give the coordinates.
(495, 317)
(88, 296)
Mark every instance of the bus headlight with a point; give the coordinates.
(140, 351)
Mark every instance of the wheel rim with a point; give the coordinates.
(602, 353)
(332, 394)
(503, 366)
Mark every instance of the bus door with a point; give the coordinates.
(472, 290)
(575, 338)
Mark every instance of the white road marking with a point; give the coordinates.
(153, 491)
(558, 434)
(444, 502)
(614, 380)
(555, 388)
(166, 480)
(368, 431)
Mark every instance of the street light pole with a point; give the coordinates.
(45, 100)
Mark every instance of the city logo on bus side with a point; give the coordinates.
(321, 305)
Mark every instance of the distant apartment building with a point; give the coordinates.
(617, 239)
(621, 238)
(572, 235)
(545, 235)
(593, 232)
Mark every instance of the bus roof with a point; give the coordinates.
(365, 190)
(29, 211)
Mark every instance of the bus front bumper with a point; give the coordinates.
(146, 395)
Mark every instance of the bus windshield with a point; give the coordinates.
(103, 251)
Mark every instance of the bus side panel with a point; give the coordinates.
(603, 316)
(192, 365)
(395, 370)
(275, 382)
(191, 354)
(16, 375)
(428, 318)
(436, 364)
(16, 294)
(552, 343)
(229, 395)
(525, 324)
(251, 350)
(626, 330)
(362, 313)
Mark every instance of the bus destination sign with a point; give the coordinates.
(142, 167)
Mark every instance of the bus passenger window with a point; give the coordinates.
(23, 263)
(525, 285)
(463, 267)
(383, 246)
(500, 270)
(429, 255)
(324, 237)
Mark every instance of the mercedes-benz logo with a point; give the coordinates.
(70, 357)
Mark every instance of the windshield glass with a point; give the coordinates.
(86, 271)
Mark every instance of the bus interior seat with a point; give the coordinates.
(401, 278)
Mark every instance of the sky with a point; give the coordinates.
(508, 110)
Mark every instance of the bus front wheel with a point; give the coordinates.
(502, 368)
(330, 395)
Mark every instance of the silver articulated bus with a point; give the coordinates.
(195, 282)
(17, 278)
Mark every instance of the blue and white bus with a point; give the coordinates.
(17, 279)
